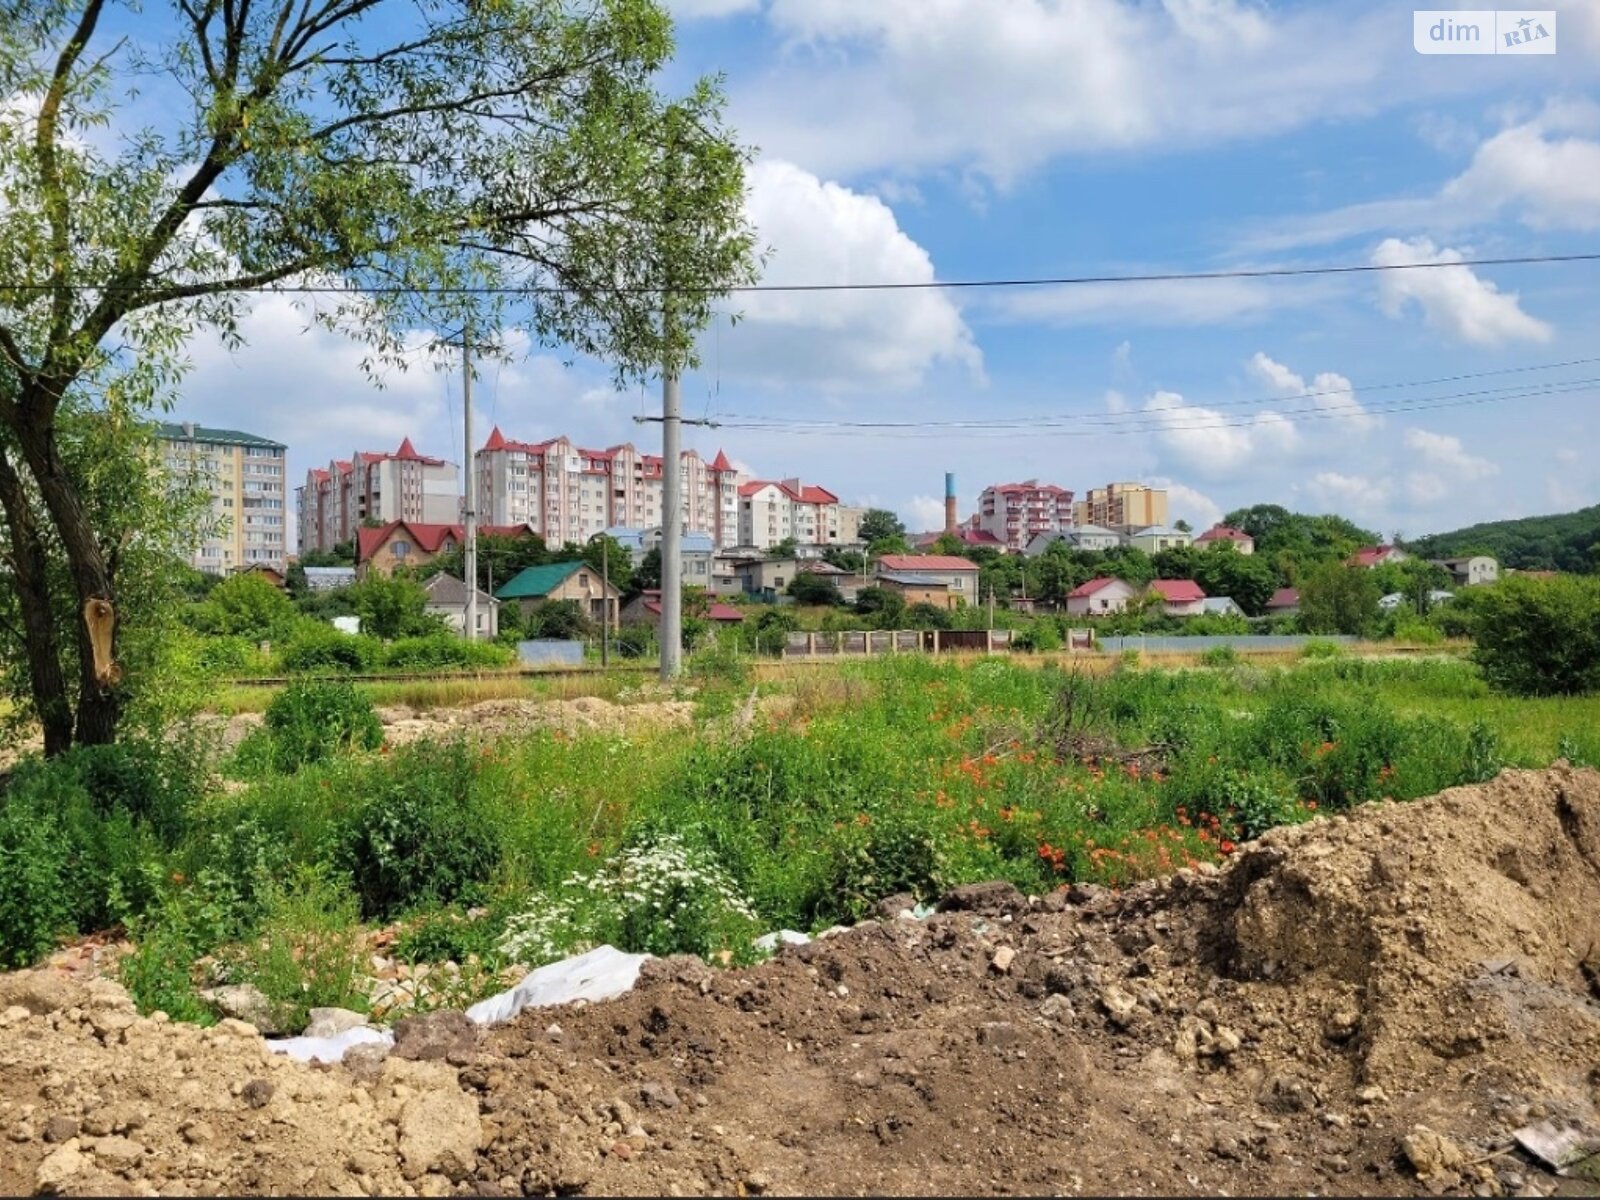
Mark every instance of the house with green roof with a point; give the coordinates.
(577, 581)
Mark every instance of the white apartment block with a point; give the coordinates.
(247, 478)
(771, 512)
(1016, 513)
(569, 494)
(376, 486)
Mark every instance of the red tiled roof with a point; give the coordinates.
(426, 537)
(1369, 556)
(1285, 598)
(1046, 488)
(341, 465)
(917, 564)
(319, 474)
(1090, 588)
(721, 463)
(497, 440)
(1218, 533)
(1178, 591)
(810, 494)
(717, 611)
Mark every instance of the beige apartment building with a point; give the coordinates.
(247, 477)
(1122, 504)
(336, 501)
(569, 494)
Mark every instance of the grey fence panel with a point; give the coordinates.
(550, 652)
(1170, 645)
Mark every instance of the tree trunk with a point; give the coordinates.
(29, 564)
(99, 704)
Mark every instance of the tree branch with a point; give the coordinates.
(55, 195)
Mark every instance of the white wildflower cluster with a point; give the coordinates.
(661, 897)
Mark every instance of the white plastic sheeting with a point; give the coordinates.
(769, 942)
(604, 973)
(329, 1049)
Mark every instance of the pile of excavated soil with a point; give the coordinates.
(1370, 1004)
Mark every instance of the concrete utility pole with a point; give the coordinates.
(671, 518)
(471, 492)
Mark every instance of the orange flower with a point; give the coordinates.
(1226, 847)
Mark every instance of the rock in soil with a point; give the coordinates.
(1330, 1013)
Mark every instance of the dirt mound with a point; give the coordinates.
(587, 714)
(1370, 1004)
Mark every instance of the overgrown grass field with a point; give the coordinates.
(851, 783)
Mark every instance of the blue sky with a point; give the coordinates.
(913, 140)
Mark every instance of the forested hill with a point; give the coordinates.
(1563, 542)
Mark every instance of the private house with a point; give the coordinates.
(646, 608)
(1375, 556)
(1470, 572)
(576, 581)
(1153, 539)
(1241, 541)
(1398, 600)
(1285, 602)
(413, 544)
(447, 599)
(967, 535)
(268, 572)
(919, 589)
(695, 549)
(1100, 598)
(1082, 537)
(958, 575)
(1221, 606)
(1179, 597)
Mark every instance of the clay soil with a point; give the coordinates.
(1364, 1005)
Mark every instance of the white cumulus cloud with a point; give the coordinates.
(1453, 299)
(822, 232)
(1214, 444)
(923, 514)
(1337, 492)
(1442, 466)
(1329, 393)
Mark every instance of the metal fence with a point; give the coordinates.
(1178, 645)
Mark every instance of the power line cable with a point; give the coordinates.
(355, 289)
(1157, 425)
(1112, 418)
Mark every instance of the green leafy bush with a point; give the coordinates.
(1539, 637)
(1220, 656)
(443, 650)
(423, 833)
(313, 720)
(1321, 648)
(306, 953)
(317, 648)
(36, 910)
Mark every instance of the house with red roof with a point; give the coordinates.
(1285, 602)
(943, 580)
(1375, 556)
(1217, 534)
(413, 544)
(375, 485)
(646, 607)
(1100, 597)
(1179, 597)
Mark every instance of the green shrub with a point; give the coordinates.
(449, 935)
(634, 641)
(36, 910)
(312, 720)
(306, 953)
(442, 650)
(318, 648)
(1417, 632)
(1539, 637)
(1220, 656)
(423, 833)
(1321, 648)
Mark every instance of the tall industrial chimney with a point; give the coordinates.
(949, 502)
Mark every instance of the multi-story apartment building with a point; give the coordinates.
(1122, 505)
(246, 477)
(1015, 513)
(569, 494)
(336, 501)
(772, 512)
